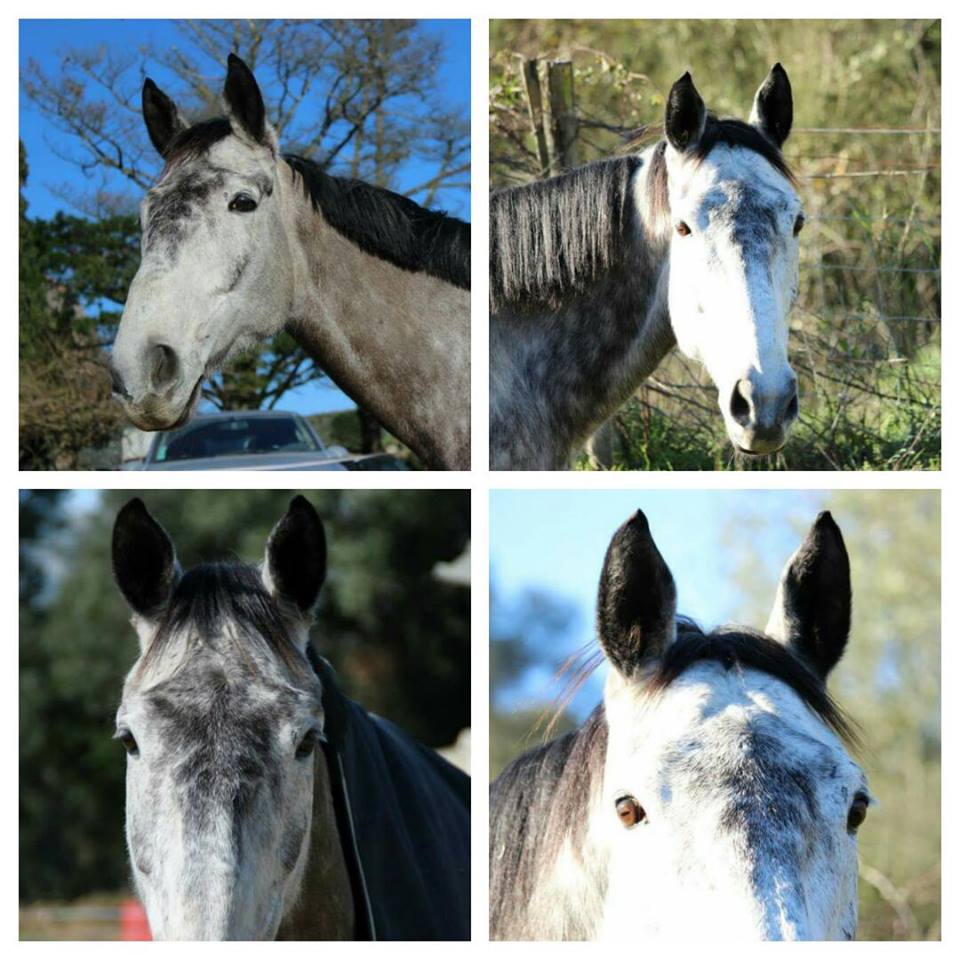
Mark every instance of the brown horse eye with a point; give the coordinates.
(630, 812)
(683, 229)
(798, 224)
(129, 743)
(858, 812)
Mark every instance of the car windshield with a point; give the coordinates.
(235, 437)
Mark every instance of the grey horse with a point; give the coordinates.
(240, 242)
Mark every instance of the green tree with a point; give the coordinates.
(73, 278)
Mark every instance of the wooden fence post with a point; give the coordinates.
(531, 85)
(562, 128)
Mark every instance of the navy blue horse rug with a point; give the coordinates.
(403, 814)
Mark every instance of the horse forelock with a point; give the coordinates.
(741, 648)
(224, 608)
(730, 132)
(717, 132)
(194, 141)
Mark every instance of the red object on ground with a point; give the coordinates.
(133, 921)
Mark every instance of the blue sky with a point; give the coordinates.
(555, 541)
(47, 40)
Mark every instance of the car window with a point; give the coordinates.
(235, 437)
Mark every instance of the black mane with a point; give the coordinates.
(557, 236)
(553, 238)
(380, 222)
(389, 226)
(537, 802)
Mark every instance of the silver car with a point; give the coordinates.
(252, 440)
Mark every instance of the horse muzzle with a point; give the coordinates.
(166, 411)
(759, 416)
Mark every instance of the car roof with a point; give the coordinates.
(242, 414)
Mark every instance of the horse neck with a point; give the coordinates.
(324, 909)
(396, 341)
(557, 374)
(568, 902)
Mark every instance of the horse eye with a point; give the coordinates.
(128, 741)
(630, 812)
(307, 745)
(798, 224)
(683, 229)
(858, 812)
(243, 203)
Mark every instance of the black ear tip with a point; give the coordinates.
(825, 521)
(300, 504)
(236, 65)
(133, 507)
(686, 78)
(149, 86)
(639, 522)
(778, 72)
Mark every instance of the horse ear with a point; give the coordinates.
(243, 99)
(636, 606)
(144, 561)
(296, 562)
(772, 109)
(686, 115)
(811, 613)
(161, 115)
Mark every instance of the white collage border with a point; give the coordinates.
(479, 479)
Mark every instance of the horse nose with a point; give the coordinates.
(764, 414)
(163, 366)
(116, 382)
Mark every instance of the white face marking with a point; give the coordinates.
(733, 280)
(212, 283)
(219, 806)
(746, 795)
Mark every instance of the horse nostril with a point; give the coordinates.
(740, 407)
(793, 406)
(163, 369)
(116, 382)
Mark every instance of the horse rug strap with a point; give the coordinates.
(403, 815)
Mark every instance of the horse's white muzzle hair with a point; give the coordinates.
(156, 385)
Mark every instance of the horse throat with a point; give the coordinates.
(324, 909)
